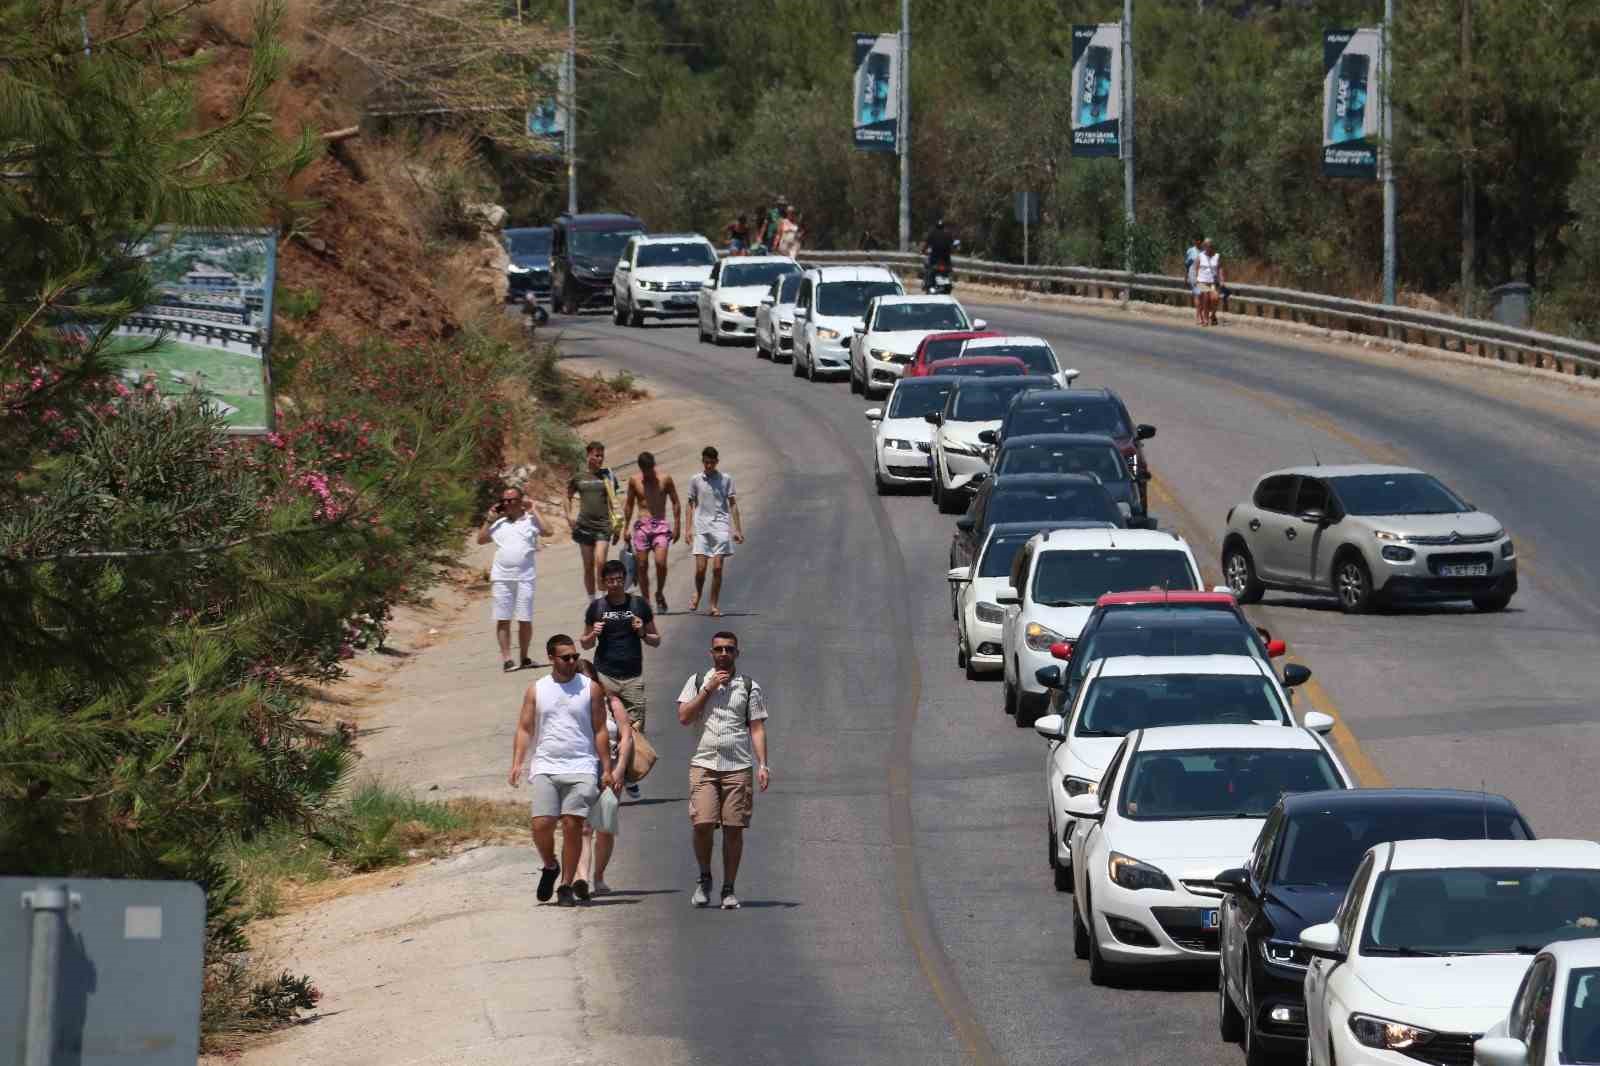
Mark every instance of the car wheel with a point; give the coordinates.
(949, 500)
(1230, 1023)
(635, 316)
(1025, 713)
(1100, 971)
(884, 488)
(1255, 1054)
(699, 328)
(1495, 601)
(1352, 581)
(569, 299)
(794, 364)
(855, 389)
(616, 312)
(1239, 571)
(811, 369)
(761, 353)
(1060, 872)
(1009, 698)
(1080, 936)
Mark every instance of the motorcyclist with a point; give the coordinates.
(937, 246)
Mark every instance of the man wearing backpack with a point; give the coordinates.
(729, 762)
(621, 625)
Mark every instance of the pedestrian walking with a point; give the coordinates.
(1209, 278)
(789, 233)
(652, 533)
(717, 526)
(515, 528)
(1191, 254)
(563, 724)
(618, 626)
(598, 524)
(600, 831)
(729, 762)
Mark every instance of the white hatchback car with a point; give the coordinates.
(979, 619)
(831, 303)
(901, 437)
(887, 340)
(1055, 581)
(1035, 353)
(1432, 940)
(659, 276)
(775, 320)
(1128, 692)
(728, 301)
(1555, 1018)
(1177, 806)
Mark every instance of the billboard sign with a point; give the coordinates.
(1097, 89)
(876, 92)
(546, 120)
(1352, 65)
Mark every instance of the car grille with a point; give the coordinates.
(1443, 559)
(748, 312)
(1455, 538)
(924, 446)
(680, 286)
(1182, 924)
(1445, 1049)
(1202, 888)
(911, 471)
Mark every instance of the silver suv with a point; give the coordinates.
(1369, 535)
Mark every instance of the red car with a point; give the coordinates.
(982, 366)
(941, 346)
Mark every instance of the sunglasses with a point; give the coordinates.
(724, 651)
(567, 658)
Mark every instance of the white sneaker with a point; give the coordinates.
(702, 893)
(730, 902)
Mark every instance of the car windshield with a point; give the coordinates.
(1051, 503)
(892, 318)
(1101, 460)
(1580, 1024)
(1324, 848)
(948, 348)
(1480, 911)
(600, 243)
(984, 401)
(1193, 632)
(1079, 578)
(975, 368)
(1181, 786)
(1002, 549)
(1372, 494)
(686, 254)
(1038, 358)
(755, 273)
(1064, 416)
(789, 289)
(916, 397)
(528, 242)
(844, 299)
(1115, 706)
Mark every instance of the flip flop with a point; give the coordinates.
(508, 666)
(661, 603)
(715, 612)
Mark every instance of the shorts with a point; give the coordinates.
(1208, 288)
(563, 794)
(585, 535)
(630, 690)
(513, 599)
(713, 542)
(651, 533)
(721, 797)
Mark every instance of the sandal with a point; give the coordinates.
(661, 603)
(508, 666)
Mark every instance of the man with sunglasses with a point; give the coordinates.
(729, 762)
(563, 720)
(515, 528)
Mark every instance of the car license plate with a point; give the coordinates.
(680, 301)
(1470, 570)
(1208, 919)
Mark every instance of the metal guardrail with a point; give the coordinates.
(1406, 325)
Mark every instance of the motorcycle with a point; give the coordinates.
(939, 279)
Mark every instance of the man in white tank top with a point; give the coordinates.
(563, 723)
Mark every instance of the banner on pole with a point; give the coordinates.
(547, 111)
(877, 92)
(1352, 90)
(1097, 89)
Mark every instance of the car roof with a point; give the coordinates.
(1060, 440)
(1224, 737)
(1359, 800)
(823, 275)
(986, 360)
(915, 298)
(760, 260)
(1457, 854)
(1155, 665)
(1099, 538)
(1150, 616)
(598, 220)
(979, 343)
(1347, 470)
(1001, 481)
(1175, 599)
(672, 238)
(1574, 953)
(960, 335)
(1029, 382)
(527, 229)
(1064, 397)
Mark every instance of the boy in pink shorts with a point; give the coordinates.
(652, 533)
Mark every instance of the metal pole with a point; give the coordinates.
(904, 139)
(572, 107)
(1469, 191)
(1389, 193)
(1024, 238)
(49, 909)
(1127, 145)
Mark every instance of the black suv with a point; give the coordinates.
(583, 255)
(1073, 453)
(1097, 411)
(528, 273)
(1302, 862)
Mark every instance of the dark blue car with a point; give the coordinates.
(529, 269)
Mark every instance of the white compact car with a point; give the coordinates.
(887, 340)
(831, 304)
(659, 276)
(901, 437)
(974, 407)
(1035, 352)
(1555, 1018)
(1055, 581)
(1128, 692)
(979, 618)
(775, 320)
(1177, 806)
(728, 301)
(1432, 940)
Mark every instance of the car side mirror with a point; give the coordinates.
(1322, 941)
(1142, 521)
(980, 477)
(767, 301)
(1008, 597)
(1315, 515)
(1085, 806)
(1048, 676)
(1500, 1051)
(874, 414)
(1061, 649)
(933, 418)
(1317, 722)
(959, 573)
(623, 266)
(965, 523)
(860, 331)
(1069, 376)
(1144, 431)
(1294, 674)
(1235, 881)
(987, 436)
(801, 314)
(1050, 726)
(978, 325)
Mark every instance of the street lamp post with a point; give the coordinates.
(572, 107)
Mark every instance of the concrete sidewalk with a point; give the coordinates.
(453, 961)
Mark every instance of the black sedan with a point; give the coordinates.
(1059, 500)
(1073, 453)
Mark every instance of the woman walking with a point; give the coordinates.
(1209, 280)
(600, 831)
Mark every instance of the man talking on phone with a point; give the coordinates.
(515, 528)
(729, 762)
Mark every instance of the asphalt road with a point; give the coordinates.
(899, 908)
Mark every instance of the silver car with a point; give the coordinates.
(775, 320)
(1371, 535)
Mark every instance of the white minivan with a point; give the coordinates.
(831, 305)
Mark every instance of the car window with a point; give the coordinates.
(1481, 910)
(1000, 553)
(1276, 493)
(1349, 913)
(742, 274)
(1397, 494)
(947, 348)
(1109, 778)
(1188, 632)
(1261, 856)
(848, 299)
(896, 317)
(1020, 567)
(1322, 848)
(916, 397)
(1218, 783)
(1079, 578)
(1116, 706)
(601, 243)
(528, 242)
(1057, 416)
(1042, 503)
(1538, 1012)
(787, 288)
(1100, 460)
(1313, 496)
(1037, 358)
(1580, 1019)
(803, 297)
(983, 401)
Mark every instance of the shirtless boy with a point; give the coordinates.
(652, 532)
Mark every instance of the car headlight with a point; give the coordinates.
(881, 354)
(785, 327)
(1039, 638)
(1079, 786)
(1382, 1033)
(991, 613)
(1384, 534)
(826, 334)
(1507, 550)
(651, 286)
(899, 445)
(732, 309)
(1397, 553)
(1285, 953)
(1133, 874)
(963, 448)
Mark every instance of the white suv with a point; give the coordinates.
(732, 295)
(1056, 579)
(831, 305)
(659, 276)
(887, 340)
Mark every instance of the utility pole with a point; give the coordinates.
(903, 141)
(1389, 194)
(1469, 191)
(572, 107)
(1127, 143)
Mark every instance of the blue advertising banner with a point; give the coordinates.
(1097, 90)
(1352, 64)
(876, 92)
(546, 119)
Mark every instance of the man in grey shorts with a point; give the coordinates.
(563, 721)
(717, 526)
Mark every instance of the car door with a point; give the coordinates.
(1322, 974)
(1239, 913)
(706, 300)
(1021, 570)
(1270, 526)
(1532, 1022)
(858, 341)
(1087, 831)
(802, 322)
(766, 330)
(1304, 553)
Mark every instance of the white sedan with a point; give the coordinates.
(975, 589)
(1555, 1018)
(887, 339)
(728, 300)
(1125, 692)
(1180, 805)
(901, 438)
(1432, 940)
(775, 320)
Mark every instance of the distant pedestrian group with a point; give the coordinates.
(1206, 280)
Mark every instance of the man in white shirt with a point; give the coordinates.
(717, 526)
(515, 528)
